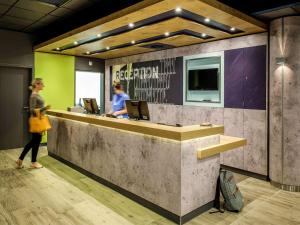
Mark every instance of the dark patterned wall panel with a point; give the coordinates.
(255, 78)
(234, 64)
(159, 81)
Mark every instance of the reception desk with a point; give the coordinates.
(171, 170)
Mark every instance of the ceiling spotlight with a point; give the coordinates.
(57, 49)
(107, 48)
(133, 42)
(98, 35)
(204, 35)
(232, 28)
(178, 10)
(207, 20)
(87, 53)
(131, 25)
(167, 34)
(75, 43)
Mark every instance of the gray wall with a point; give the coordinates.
(16, 49)
(248, 123)
(82, 63)
(285, 101)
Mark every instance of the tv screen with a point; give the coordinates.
(203, 79)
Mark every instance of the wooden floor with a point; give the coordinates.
(59, 195)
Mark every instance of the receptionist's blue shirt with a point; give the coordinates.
(118, 103)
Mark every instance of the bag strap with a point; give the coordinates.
(38, 113)
(217, 202)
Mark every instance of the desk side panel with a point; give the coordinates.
(146, 166)
(198, 177)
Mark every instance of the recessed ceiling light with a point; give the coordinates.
(99, 35)
(167, 34)
(87, 53)
(107, 48)
(204, 35)
(75, 43)
(232, 28)
(57, 49)
(178, 10)
(133, 42)
(131, 25)
(207, 20)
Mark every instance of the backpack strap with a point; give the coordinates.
(217, 203)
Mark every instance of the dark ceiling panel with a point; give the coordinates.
(25, 14)
(43, 22)
(15, 20)
(10, 26)
(253, 6)
(7, 2)
(280, 12)
(35, 6)
(99, 9)
(77, 4)
(57, 3)
(48, 19)
(62, 12)
(36, 25)
(3, 9)
(13, 23)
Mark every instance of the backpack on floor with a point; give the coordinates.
(232, 196)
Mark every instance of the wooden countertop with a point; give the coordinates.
(226, 143)
(158, 130)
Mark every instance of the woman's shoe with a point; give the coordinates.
(19, 163)
(36, 165)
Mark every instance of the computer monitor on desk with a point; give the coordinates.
(91, 106)
(137, 110)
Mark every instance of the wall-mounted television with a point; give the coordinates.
(203, 79)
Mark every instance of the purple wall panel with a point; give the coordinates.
(255, 78)
(245, 78)
(234, 64)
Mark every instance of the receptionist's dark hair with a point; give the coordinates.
(117, 85)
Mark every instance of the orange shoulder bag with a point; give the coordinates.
(39, 123)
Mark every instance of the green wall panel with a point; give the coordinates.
(57, 72)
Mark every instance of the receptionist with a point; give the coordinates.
(118, 103)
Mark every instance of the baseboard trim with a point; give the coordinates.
(286, 187)
(159, 210)
(247, 173)
(197, 212)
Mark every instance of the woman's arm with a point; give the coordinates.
(32, 105)
(121, 112)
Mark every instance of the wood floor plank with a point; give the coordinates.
(5, 216)
(59, 195)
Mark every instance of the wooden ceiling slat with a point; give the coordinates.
(207, 8)
(171, 25)
(223, 14)
(177, 41)
(139, 11)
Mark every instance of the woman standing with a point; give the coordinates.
(36, 102)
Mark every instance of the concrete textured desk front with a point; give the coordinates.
(162, 171)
